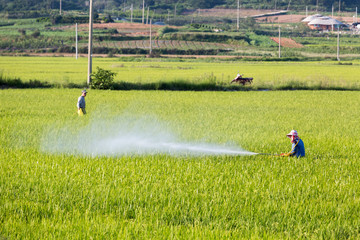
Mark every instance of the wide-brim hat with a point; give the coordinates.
(84, 91)
(292, 133)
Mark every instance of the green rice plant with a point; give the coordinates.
(69, 196)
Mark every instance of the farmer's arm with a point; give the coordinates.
(79, 103)
(292, 152)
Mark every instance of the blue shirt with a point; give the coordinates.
(298, 150)
(81, 102)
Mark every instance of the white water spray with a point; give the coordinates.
(128, 136)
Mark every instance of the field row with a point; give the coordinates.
(65, 70)
(165, 44)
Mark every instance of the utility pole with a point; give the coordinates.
(60, 6)
(289, 5)
(147, 16)
(339, 6)
(356, 16)
(306, 11)
(150, 36)
(90, 43)
(175, 13)
(76, 35)
(338, 44)
(143, 12)
(275, 4)
(175, 9)
(238, 16)
(132, 11)
(317, 6)
(332, 15)
(279, 42)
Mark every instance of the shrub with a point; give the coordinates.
(102, 79)
(110, 54)
(166, 29)
(56, 19)
(43, 19)
(22, 32)
(108, 19)
(113, 31)
(69, 19)
(204, 37)
(36, 34)
(4, 24)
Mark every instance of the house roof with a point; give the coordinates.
(312, 17)
(325, 21)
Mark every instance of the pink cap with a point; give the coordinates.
(292, 133)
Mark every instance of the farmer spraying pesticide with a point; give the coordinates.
(297, 148)
(81, 103)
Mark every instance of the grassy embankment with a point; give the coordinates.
(44, 195)
(140, 72)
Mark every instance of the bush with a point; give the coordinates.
(36, 34)
(68, 19)
(166, 29)
(113, 31)
(22, 32)
(102, 79)
(200, 37)
(27, 14)
(4, 24)
(56, 19)
(108, 19)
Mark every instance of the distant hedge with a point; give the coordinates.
(4, 24)
(26, 14)
(204, 37)
(105, 50)
(172, 86)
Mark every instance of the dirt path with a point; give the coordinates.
(287, 42)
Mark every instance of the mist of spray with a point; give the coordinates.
(127, 136)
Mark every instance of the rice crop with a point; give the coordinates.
(265, 74)
(66, 195)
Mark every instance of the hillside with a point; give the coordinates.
(100, 5)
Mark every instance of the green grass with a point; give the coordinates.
(265, 74)
(30, 25)
(62, 196)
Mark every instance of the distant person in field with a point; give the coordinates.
(297, 148)
(81, 103)
(238, 76)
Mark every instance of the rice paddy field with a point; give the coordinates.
(50, 190)
(69, 70)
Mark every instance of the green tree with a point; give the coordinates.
(102, 79)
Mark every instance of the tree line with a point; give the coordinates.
(41, 5)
